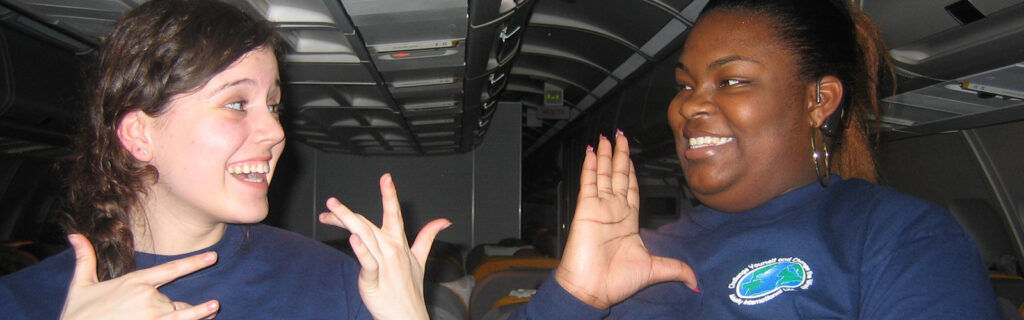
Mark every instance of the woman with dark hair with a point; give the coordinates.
(170, 181)
(770, 126)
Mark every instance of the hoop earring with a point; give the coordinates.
(819, 161)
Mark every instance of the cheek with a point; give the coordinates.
(675, 119)
(214, 142)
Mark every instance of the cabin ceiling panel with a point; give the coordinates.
(398, 77)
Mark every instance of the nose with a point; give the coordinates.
(267, 127)
(697, 104)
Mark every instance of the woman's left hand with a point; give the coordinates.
(391, 279)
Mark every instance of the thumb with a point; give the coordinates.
(425, 239)
(85, 261)
(667, 269)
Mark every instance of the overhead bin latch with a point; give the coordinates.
(505, 34)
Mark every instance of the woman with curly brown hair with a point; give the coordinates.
(170, 181)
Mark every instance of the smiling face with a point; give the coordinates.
(741, 119)
(216, 148)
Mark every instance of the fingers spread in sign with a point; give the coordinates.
(604, 166)
(588, 176)
(365, 234)
(668, 269)
(425, 239)
(392, 222)
(620, 165)
(85, 261)
(185, 311)
(366, 259)
(167, 272)
(633, 195)
(335, 211)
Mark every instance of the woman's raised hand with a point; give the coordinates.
(605, 261)
(133, 295)
(391, 281)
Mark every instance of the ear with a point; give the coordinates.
(831, 93)
(133, 133)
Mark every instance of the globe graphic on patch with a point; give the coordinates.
(770, 278)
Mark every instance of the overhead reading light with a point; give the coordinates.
(413, 54)
(436, 121)
(417, 45)
(435, 134)
(429, 105)
(424, 82)
(982, 89)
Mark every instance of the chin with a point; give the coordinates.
(248, 215)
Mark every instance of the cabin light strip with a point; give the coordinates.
(429, 105)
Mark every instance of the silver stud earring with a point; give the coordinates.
(144, 151)
(817, 91)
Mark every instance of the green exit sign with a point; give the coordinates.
(552, 97)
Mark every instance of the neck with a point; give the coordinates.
(167, 230)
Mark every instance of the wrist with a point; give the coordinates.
(580, 293)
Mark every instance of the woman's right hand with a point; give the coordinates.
(605, 261)
(133, 295)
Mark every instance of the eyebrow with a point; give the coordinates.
(277, 83)
(720, 62)
(233, 84)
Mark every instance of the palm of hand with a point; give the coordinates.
(616, 257)
(605, 260)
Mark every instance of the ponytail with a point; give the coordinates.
(854, 157)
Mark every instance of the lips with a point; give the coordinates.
(705, 146)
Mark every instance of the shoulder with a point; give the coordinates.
(53, 269)
(38, 291)
(886, 210)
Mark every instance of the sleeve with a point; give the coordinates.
(8, 303)
(354, 300)
(924, 268)
(553, 302)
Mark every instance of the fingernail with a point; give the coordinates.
(210, 256)
(602, 136)
(618, 133)
(590, 148)
(696, 290)
(446, 226)
(212, 305)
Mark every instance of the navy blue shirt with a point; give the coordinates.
(851, 250)
(261, 273)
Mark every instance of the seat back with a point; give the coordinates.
(499, 284)
(987, 228)
(443, 303)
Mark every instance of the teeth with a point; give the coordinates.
(247, 168)
(703, 142)
(252, 178)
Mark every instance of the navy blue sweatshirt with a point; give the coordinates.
(261, 273)
(852, 250)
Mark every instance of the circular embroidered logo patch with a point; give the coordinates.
(763, 281)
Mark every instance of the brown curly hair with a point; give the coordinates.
(159, 50)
